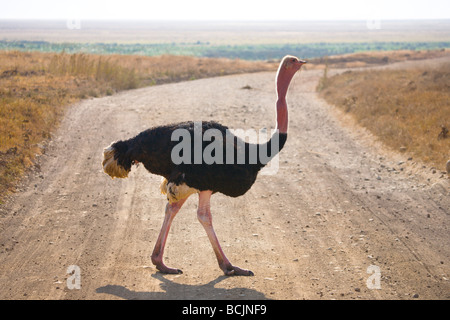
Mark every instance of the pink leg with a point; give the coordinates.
(205, 218)
(157, 255)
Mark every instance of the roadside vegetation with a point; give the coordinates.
(407, 109)
(376, 58)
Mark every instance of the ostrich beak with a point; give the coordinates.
(300, 63)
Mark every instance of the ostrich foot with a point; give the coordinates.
(164, 269)
(168, 270)
(231, 270)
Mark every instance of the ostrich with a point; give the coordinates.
(153, 148)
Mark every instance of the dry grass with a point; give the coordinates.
(368, 59)
(407, 109)
(36, 87)
(168, 68)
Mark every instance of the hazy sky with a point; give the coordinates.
(226, 9)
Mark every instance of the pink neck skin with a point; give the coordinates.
(284, 78)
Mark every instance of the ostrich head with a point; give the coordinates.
(291, 64)
(288, 67)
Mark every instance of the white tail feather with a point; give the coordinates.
(110, 165)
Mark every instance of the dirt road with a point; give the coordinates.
(342, 218)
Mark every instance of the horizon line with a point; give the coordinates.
(218, 20)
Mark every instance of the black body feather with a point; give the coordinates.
(153, 148)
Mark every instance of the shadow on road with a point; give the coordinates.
(174, 291)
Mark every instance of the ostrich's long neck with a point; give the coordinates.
(283, 80)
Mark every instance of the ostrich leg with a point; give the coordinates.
(157, 255)
(205, 218)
